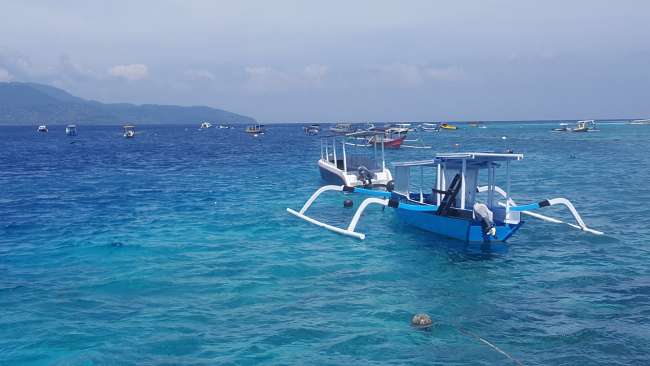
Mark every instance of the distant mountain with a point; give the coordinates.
(31, 103)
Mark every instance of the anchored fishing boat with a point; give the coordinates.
(477, 124)
(256, 129)
(397, 136)
(342, 128)
(345, 162)
(42, 128)
(71, 130)
(312, 129)
(392, 137)
(456, 206)
(447, 126)
(129, 131)
(585, 126)
(430, 127)
(564, 127)
(205, 125)
(581, 126)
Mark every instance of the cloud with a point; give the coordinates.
(266, 79)
(413, 75)
(130, 72)
(315, 72)
(451, 73)
(69, 69)
(62, 71)
(5, 75)
(198, 75)
(269, 79)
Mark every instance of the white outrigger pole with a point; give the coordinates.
(349, 231)
(510, 204)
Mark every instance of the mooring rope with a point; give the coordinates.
(424, 321)
(485, 341)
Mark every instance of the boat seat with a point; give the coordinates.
(449, 196)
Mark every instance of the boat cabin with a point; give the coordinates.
(456, 182)
(349, 160)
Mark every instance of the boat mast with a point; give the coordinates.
(462, 184)
(383, 160)
(507, 189)
(327, 153)
(438, 184)
(345, 163)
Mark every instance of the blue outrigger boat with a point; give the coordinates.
(453, 207)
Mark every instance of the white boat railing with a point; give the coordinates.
(551, 202)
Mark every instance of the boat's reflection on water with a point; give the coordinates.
(474, 250)
(459, 250)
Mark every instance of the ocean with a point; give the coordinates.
(175, 248)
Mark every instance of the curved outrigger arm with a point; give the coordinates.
(380, 198)
(526, 209)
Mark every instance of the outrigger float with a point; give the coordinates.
(452, 207)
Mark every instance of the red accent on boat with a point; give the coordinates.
(394, 143)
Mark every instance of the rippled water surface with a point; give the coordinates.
(175, 248)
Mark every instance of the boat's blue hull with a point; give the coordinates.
(456, 228)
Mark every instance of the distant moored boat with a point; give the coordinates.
(129, 131)
(256, 129)
(342, 128)
(447, 126)
(42, 128)
(71, 130)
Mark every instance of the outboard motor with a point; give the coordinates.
(482, 212)
(365, 176)
(390, 186)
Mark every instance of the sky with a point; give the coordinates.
(334, 61)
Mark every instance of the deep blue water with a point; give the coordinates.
(175, 248)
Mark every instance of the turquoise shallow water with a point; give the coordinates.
(175, 248)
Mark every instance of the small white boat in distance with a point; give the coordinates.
(256, 129)
(312, 129)
(206, 125)
(342, 128)
(225, 127)
(585, 126)
(581, 126)
(42, 128)
(129, 131)
(71, 130)
(640, 122)
(430, 127)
